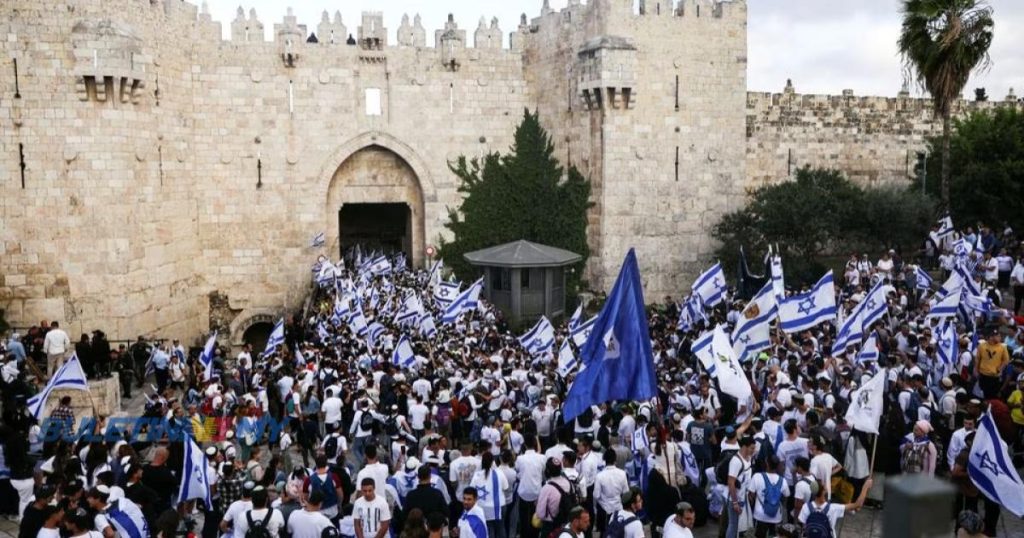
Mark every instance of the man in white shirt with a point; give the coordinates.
(740, 466)
(957, 440)
(418, 413)
(823, 465)
(56, 345)
(609, 486)
(792, 447)
(632, 502)
(542, 416)
(260, 514)
(530, 470)
(768, 491)
(678, 525)
(331, 409)
(237, 509)
(373, 470)
(309, 522)
(472, 523)
(370, 512)
(832, 510)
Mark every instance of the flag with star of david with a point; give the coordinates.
(805, 310)
(195, 480)
(710, 286)
(991, 468)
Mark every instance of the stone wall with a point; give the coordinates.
(874, 140)
(102, 399)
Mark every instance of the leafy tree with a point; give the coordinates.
(987, 168)
(524, 194)
(819, 215)
(942, 42)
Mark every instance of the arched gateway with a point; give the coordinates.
(376, 196)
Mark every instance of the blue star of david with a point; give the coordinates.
(989, 464)
(716, 282)
(871, 304)
(806, 305)
(197, 471)
(482, 493)
(745, 339)
(690, 460)
(444, 292)
(410, 481)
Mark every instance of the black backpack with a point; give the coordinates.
(586, 418)
(331, 447)
(722, 469)
(258, 529)
(566, 501)
(391, 427)
(366, 421)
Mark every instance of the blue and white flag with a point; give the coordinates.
(582, 331)
(489, 485)
(689, 462)
(410, 311)
(434, 276)
(619, 362)
(946, 308)
(374, 298)
(640, 441)
(991, 468)
(195, 480)
(923, 281)
(318, 240)
(777, 279)
(445, 293)
(465, 302)
(875, 305)
(127, 519)
(403, 355)
(947, 345)
(206, 357)
(342, 310)
(710, 286)
(357, 321)
(981, 305)
(691, 312)
(753, 330)
(327, 273)
(276, 338)
(962, 248)
(701, 348)
(373, 332)
(380, 266)
(869, 351)
(566, 359)
(69, 376)
(427, 327)
(850, 332)
(576, 318)
(866, 403)
(945, 227)
(805, 310)
(540, 339)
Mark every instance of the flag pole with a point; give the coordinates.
(874, 446)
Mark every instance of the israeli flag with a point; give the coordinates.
(710, 286)
(410, 311)
(127, 519)
(582, 332)
(753, 330)
(318, 240)
(465, 302)
(640, 440)
(445, 293)
(869, 351)
(195, 480)
(948, 343)
(69, 376)
(962, 248)
(945, 308)
(691, 311)
(806, 310)
(991, 468)
(357, 321)
(689, 462)
(778, 279)
(875, 304)
(403, 355)
(540, 339)
(276, 338)
(577, 316)
(488, 485)
(731, 379)
(321, 332)
(566, 359)
(374, 298)
(701, 348)
(206, 357)
(380, 266)
(427, 327)
(945, 227)
(923, 279)
(325, 276)
(434, 276)
(851, 331)
(373, 332)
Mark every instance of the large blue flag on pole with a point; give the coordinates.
(991, 468)
(195, 481)
(618, 357)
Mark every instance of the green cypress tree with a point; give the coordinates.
(519, 195)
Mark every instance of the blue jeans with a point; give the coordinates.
(733, 530)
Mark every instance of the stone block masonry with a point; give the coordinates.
(157, 179)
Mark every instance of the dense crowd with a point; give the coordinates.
(467, 437)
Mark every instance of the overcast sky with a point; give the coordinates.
(825, 46)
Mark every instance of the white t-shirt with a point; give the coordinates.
(332, 410)
(821, 469)
(632, 530)
(740, 469)
(418, 416)
(306, 524)
(759, 487)
(371, 514)
(835, 511)
(789, 451)
(671, 529)
(274, 524)
(234, 511)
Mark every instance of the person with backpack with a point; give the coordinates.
(768, 491)
(327, 483)
(261, 521)
(309, 522)
(579, 524)
(819, 516)
(556, 498)
(918, 454)
(739, 471)
(364, 424)
(625, 523)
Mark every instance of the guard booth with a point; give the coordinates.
(525, 280)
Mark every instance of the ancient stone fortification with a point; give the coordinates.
(157, 179)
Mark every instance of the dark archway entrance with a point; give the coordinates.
(385, 227)
(257, 335)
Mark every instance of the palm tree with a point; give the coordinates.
(942, 42)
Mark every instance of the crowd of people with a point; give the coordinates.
(468, 438)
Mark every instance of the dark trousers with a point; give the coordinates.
(526, 511)
(991, 512)
(211, 522)
(162, 377)
(126, 383)
(1018, 298)
(763, 530)
(989, 386)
